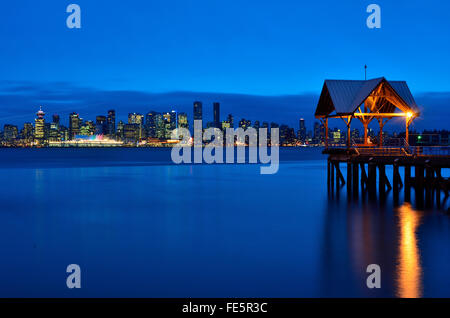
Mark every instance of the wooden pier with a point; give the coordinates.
(366, 172)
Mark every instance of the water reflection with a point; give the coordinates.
(409, 269)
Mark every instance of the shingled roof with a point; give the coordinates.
(344, 97)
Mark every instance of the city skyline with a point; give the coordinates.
(155, 128)
(19, 100)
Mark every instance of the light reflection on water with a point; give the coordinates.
(409, 269)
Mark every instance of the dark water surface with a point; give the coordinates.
(140, 226)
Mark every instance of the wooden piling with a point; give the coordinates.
(355, 180)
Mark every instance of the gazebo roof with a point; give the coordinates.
(344, 97)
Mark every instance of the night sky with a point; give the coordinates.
(263, 60)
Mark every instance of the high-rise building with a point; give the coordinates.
(134, 118)
(120, 130)
(230, 120)
(101, 127)
(159, 124)
(216, 111)
(198, 115)
(170, 123)
(183, 121)
(137, 119)
(10, 132)
(302, 130)
(316, 137)
(39, 126)
(88, 128)
(111, 122)
(74, 125)
(131, 132)
(27, 132)
(150, 125)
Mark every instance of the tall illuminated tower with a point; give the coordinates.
(39, 126)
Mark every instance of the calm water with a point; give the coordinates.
(140, 226)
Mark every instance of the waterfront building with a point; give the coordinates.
(28, 132)
(10, 132)
(183, 121)
(101, 127)
(111, 123)
(39, 126)
(131, 133)
(150, 124)
(74, 125)
(198, 113)
(160, 128)
(170, 122)
(316, 136)
(120, 130)
(137, 119)
(53, 132)
(302, 130)
(88, 128)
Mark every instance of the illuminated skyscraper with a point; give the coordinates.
(39, 126)
(74, 125)
(101, 127)
(183, 121)
(111, 122)
(302, 130)
(10, 132)
(150, 125)
(120, 130)
(136, 119)
(198, 111)
(159, 124)
(27, 132)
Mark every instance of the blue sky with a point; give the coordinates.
(257, 48)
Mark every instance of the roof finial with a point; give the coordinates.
(365, 72)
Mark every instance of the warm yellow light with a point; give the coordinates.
(409, 114)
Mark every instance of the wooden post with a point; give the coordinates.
(396, 177)
(326, 133)
(355, 179)
(382, 180)
(364, 178)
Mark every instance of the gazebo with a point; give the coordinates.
(366, 100)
